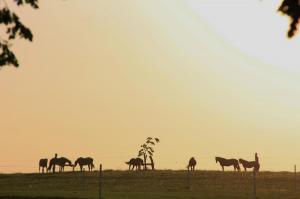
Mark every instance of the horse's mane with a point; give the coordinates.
(220, 158)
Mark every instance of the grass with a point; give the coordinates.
(151, 185)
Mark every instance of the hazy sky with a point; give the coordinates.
(207, 77)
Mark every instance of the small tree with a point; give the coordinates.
(148, 151)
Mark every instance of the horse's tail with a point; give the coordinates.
(127, 162)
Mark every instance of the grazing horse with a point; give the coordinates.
(135, 163)
(249, 164)
(228, 162)
(43, 164)
(61, 162)
(192, 164)
(84, 161)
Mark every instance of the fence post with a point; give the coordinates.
(295, 177)
(189, 180)
(254, 184)
(100, 182)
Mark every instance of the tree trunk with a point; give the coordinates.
(145, 162)
(152, 162)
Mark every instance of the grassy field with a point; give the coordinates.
(151, 185)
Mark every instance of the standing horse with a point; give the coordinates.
(84, 161)
(192, 164)
(135, 163)
(249, 164)
(43, 164)
(61, 162)
(228, 162)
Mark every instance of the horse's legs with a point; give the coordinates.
(222, 167)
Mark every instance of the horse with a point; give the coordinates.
(84, 161)
(43, 164)
(135, 163)
(61, 162)
(192, 164)
(249, 164)
(228, 162)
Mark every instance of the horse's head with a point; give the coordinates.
(75, 163)
(69, 162)
(51, 163)
(238, 166)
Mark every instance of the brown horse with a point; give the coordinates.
(61, 162)
(84, 161)
(43, 164)
(135, 163)
(249, 164)
(228, 162)
(192, 164)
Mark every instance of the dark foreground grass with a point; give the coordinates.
(150, 185)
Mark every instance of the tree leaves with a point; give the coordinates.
(14, 28)
(7, 57)
(32, 3)
(291, 8)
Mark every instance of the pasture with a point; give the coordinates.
(151, 185)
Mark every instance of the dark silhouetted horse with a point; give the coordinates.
(135, 163)
(249, 164)
(228, 162)
(192, 164)
(43, 163)
(85, 161)
(61, 162)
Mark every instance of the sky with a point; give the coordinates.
(208, 77)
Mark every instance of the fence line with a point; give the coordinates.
(187, 178)
(254, 184)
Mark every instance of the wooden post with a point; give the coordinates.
(254, 184)
(189, 180)
(100, 182)
(295, 177)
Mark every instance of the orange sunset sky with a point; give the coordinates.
(207, 77)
